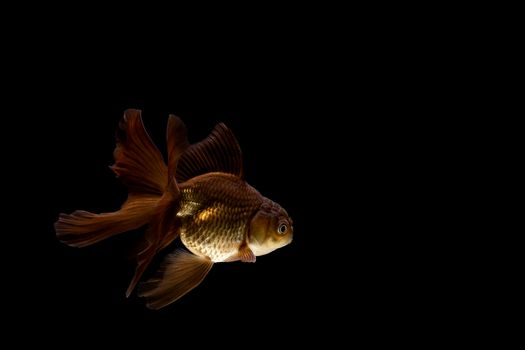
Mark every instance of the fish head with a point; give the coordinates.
(271, 228)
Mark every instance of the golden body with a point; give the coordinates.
(200, 196)
(215, 213)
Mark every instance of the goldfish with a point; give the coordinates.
(200, 195)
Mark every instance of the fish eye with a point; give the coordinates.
(282, 229)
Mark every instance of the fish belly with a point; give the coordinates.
(217, 245)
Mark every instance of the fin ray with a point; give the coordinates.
(179, 274)
(177, 140)
(138, 162)
(82, 228)
(163, 229)
(219, 152)
(244, 254)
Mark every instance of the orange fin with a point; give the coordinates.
(180, 273)
(138, 162)
(244, 254)
(145, 257)
(165, 226)
(163, 229)
(82, 228)
(220, 152)
(169, 228)
(177, 142)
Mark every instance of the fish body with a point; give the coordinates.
(200, 196)
(215, 213)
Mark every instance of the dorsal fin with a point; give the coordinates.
(220, 152)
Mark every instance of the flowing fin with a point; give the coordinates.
(165, 225)
(244, 254)
(180, 273)
(220, 152)
(82, 228)
(138, 162)
(164, 228)
(177, 140)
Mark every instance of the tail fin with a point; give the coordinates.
(139, 165)
(82, 228)
(138, 162)
(163, 229)
(152, 199)
(165, 225)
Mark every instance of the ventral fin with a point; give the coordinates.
(219, 152)
(179, 274)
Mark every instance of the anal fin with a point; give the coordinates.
(179, 274)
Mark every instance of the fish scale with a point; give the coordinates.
(215, 210)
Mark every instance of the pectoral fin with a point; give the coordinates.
(244, 254)
(180, 273)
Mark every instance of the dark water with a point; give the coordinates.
(318, 151)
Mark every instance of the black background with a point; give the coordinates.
(282, 130)
(320, 135)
